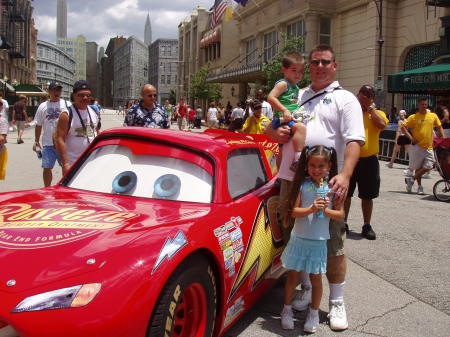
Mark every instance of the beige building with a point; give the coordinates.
(412, 35)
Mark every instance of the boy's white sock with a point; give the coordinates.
(287, 307)
(337, 291)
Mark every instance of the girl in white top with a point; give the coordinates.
(312, 209)
(212, 117)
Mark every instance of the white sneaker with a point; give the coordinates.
(287, 319)
(303, 299)
(311, 323)
(420, 190)
(408, 173)
(337, 315)
(409, 181)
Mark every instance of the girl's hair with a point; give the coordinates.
(302, 171)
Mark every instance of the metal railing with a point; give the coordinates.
(386, 148)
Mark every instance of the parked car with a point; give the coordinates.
(150, 233)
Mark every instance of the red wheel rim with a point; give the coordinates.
(191, 313)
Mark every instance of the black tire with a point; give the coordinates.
(194, 272)
(441, 190)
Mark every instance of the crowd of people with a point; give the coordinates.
(329, 141)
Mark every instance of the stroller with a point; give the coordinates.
(441, 188)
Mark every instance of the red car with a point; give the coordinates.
(151, 233)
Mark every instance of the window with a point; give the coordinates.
(297, 29)
(168, 79)
(270, 45)
(325, 31)
(163, 79)
(245, 171)
(250, 52)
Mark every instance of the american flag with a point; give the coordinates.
(218, 10)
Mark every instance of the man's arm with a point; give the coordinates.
(440, 131)
(37, 135)
(379, 120)
(62, 129)
(341, 181)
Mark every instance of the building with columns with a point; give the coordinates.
(412, 33)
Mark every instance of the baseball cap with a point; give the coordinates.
(81, 85)
(256, 105)
(402, 112)
(54, 85)
(367, 90)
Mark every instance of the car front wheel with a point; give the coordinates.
(186, 306)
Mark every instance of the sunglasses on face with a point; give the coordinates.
(323, 61)
(152, 95)
(84, 95)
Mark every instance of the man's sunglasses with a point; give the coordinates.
(84, 95)
(152, 95)
(323, 61)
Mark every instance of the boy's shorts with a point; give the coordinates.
(335, 244)
(276, 123)
(49, 157)
(20, 125)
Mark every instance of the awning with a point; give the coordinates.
(434, 80)
(8, 86)
(29, 88)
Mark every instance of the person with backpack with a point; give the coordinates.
(77, 127)
(46, 119)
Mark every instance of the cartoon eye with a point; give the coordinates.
(124, 182)
(167, 186)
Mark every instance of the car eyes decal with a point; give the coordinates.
(124, 182)
(167, 186)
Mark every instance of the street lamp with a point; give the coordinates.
(380, 41)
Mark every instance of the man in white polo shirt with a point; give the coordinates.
(336, 121)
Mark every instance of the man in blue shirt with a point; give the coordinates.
(147, 113)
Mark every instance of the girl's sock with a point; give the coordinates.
(337, 291)
(314, 312)
(305, 280)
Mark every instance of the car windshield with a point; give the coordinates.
(116, 169)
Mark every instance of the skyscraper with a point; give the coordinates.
(61, 19)
(148, 31)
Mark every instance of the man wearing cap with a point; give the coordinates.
(256, 123)
(77, 127)
(46, 119)
(367, 170)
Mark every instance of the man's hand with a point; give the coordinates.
(340, 184)
(280, 135)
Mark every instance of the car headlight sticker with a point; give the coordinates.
(124, 182)
(71, 297)
(167, 186)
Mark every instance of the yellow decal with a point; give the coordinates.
(260, 252)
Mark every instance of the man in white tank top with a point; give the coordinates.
(77, 128)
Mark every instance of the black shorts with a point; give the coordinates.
(367, 176)
(403, 140)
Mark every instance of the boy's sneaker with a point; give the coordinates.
(287, 319)
(303, 299)
(337, 316)
(390, 165)
(408, 173)
(420, 190)
(368, 233)
(409, 181)
(311, 323)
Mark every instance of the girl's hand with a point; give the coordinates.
(320, 203)
(287, 116)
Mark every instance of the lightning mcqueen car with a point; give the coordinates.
(150, 233)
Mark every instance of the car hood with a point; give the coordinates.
(56, 233)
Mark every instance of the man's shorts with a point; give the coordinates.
(367, 176)
(335, 244)
(49, 157)
(20, 125)
(403, 140)
(420, 158)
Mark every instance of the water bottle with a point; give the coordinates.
(38, 151)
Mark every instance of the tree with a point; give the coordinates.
(172, 96)
(199, 89)
(272, 69)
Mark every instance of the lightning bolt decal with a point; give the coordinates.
(260, 252)
(170, 248)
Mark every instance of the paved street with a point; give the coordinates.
(397, 285)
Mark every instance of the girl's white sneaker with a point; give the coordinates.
(312, 321)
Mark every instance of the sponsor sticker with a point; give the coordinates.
(234, 310)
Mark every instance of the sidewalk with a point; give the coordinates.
(374, 307)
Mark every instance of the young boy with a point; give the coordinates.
(284, 97)
(256, 123)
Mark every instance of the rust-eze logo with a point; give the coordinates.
(50, 223)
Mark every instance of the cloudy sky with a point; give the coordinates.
(98, 20)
